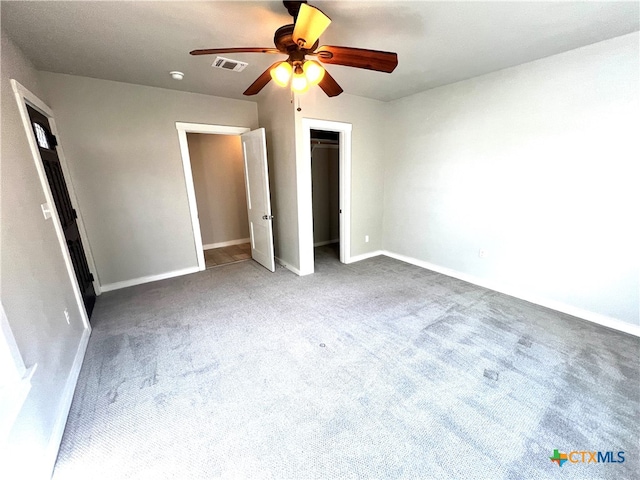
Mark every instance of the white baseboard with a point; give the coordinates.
(53, 446)
(151, 278)
(288, 267)
(364, 256)
(600, 319)
(239, 241)
(326, 242)
(14, 394)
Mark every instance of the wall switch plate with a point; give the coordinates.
(366, 239)
(46, 210)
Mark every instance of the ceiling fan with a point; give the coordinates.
(300, 40)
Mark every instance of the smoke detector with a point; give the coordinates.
(228, 64)
(176, 75)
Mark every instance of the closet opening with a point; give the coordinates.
(325, 189)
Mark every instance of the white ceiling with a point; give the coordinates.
(437, 42)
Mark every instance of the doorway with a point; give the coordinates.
(325, 189)
(305, 181)
(256, 177)
(50, 163)
(218, 179)
(67, 215)
(183, 130)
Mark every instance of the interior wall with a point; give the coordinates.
(536, 164)
(35, 287)
(124, 156)
(325, 172)
(217, 166)
(367, 168)
(275, 113)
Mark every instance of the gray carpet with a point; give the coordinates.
(377, 369)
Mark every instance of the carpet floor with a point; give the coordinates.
(377, 369)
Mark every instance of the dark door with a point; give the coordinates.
(47, 146)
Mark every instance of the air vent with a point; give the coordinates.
(228, 64)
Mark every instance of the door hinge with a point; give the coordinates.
(75, 214)
(54, 141)
(91, 277)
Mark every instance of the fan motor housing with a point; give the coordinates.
(293, 8)
(283, 40)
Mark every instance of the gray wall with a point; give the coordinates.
(537, 164)
(123, 150)
(276, 116)
(367, 169)
(285, 145)
(35, 287)
(218, 177)
(325, 172)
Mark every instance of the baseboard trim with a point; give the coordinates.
(364, 256)
(55, 439)
(326, 242)
(288, 267)
(150, 278)
(228, 243)
(593, 317)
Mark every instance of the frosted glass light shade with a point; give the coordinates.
(313, 71)
(281, 74)
(299, 83)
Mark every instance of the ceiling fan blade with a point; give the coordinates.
(310, 24)
(260, 82)
(358, 57)
(216, 51)
(330, 86)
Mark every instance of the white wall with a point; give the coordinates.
(124, 156)
(35, 288)
(367, 168)
(538, 164)
(218, 178)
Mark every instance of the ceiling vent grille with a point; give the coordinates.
(228, 64)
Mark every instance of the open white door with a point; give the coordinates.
(256, 175)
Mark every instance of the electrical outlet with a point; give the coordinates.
(66, 315)
(366, 239)
(482, 253)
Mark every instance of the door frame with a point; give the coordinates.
(23, 97)
(305, 198)
(184, 128)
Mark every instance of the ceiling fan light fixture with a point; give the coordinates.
(310, 24)
(299, 83)
(281, 74)
(313, 71)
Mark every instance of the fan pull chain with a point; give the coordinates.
(295, 100)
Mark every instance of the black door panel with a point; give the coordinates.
(46, 145)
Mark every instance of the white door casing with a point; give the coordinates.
(256, 175)
(305, 201)
(184, 128)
